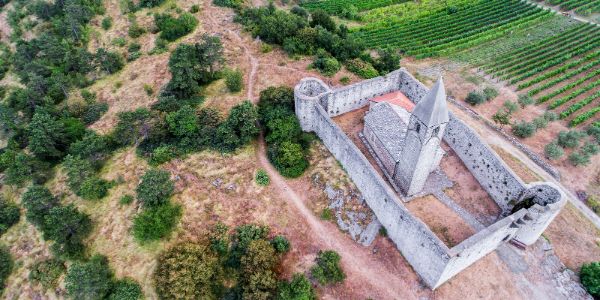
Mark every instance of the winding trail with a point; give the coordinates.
(357, 260)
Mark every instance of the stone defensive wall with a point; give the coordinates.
(435, 263)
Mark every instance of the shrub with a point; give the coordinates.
(155, 188)
(156, 222)
(361, 68)
(510, 106)
(126, 199)
(6, 266)
(281, 244)
(525, 100)
(228, 3)
(590, 278)
(135, 30)
(327, 214)
(107, 23)
(148, 89)
(321, 18)
(553, 151)
(298, 288)
(239, 129)
(523, 129)
(109, 62)
(150, 3)
(262, 178)
(327, 269)
(94, 112)
(195, 8)
(186, 271)
(120, 42)
(171, 28)
(9, 215)
(234, 81)
(501, 117)
(388, 61)
(126, 289)
(345, 80)
(89, 280)
(325, 63)
(579, 159)
(299, 11)
(47, 272)
(569, 139)
(258, 279)
(490, 93)
(475, 98)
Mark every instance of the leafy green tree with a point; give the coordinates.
(187, 271)
(151, 3)
(93, 188)
(24, 167)
(155, 188)
(284, 129)
(92, 147)
(156, 222)
(523, 129)
(9, 215)
(579, 159)
(38, 201)
(46, 136)
(299, 288)
(109, 62)
(126, 289)
(594, 131)
(590, 149)
(327, 269)
(490, 93)
(590, 278)
(259, 280)
(326, 63)
(47, 272)
(193, 65)
(92, 279)
(569, 139)
(132, 127)
(321, 18)
(78, 171)
(184, 122)
(68, 228)
(388, 61)
(289, 159)
(6, 266)
(240, 127)
(553, 151)
(273, 97)
(475, 98)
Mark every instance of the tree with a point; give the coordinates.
(109, 62)
(501, 117)
(327, 269)
(281, 244)
(46, 136)
(523, 129)
(579, 159)
(187, 271)
(155, 188)
(321, 18)
(284, 129)
(89, 280)
(525, 100)
(590, 278)
(569, 139)
(193, 65)
(288, 157)
(92, 147)
(150, 3)
(133, 126)
(299, 288)
(78, 171)
(388, 61)
(475, 98)
(490, 93)
(259, 280)
(239, 128)
(171, 28)
(184, 122)
(155, 223)
(38, 201)
(6, 266)
(9, 215)
(68, 228)
(553, 151)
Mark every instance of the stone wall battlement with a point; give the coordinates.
(316, 103)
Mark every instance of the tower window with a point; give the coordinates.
(418, 128)
(436, 130)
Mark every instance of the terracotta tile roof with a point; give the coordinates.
(396, 98)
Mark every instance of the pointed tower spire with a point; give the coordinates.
(433, 110)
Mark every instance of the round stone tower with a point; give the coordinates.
(308, 93)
